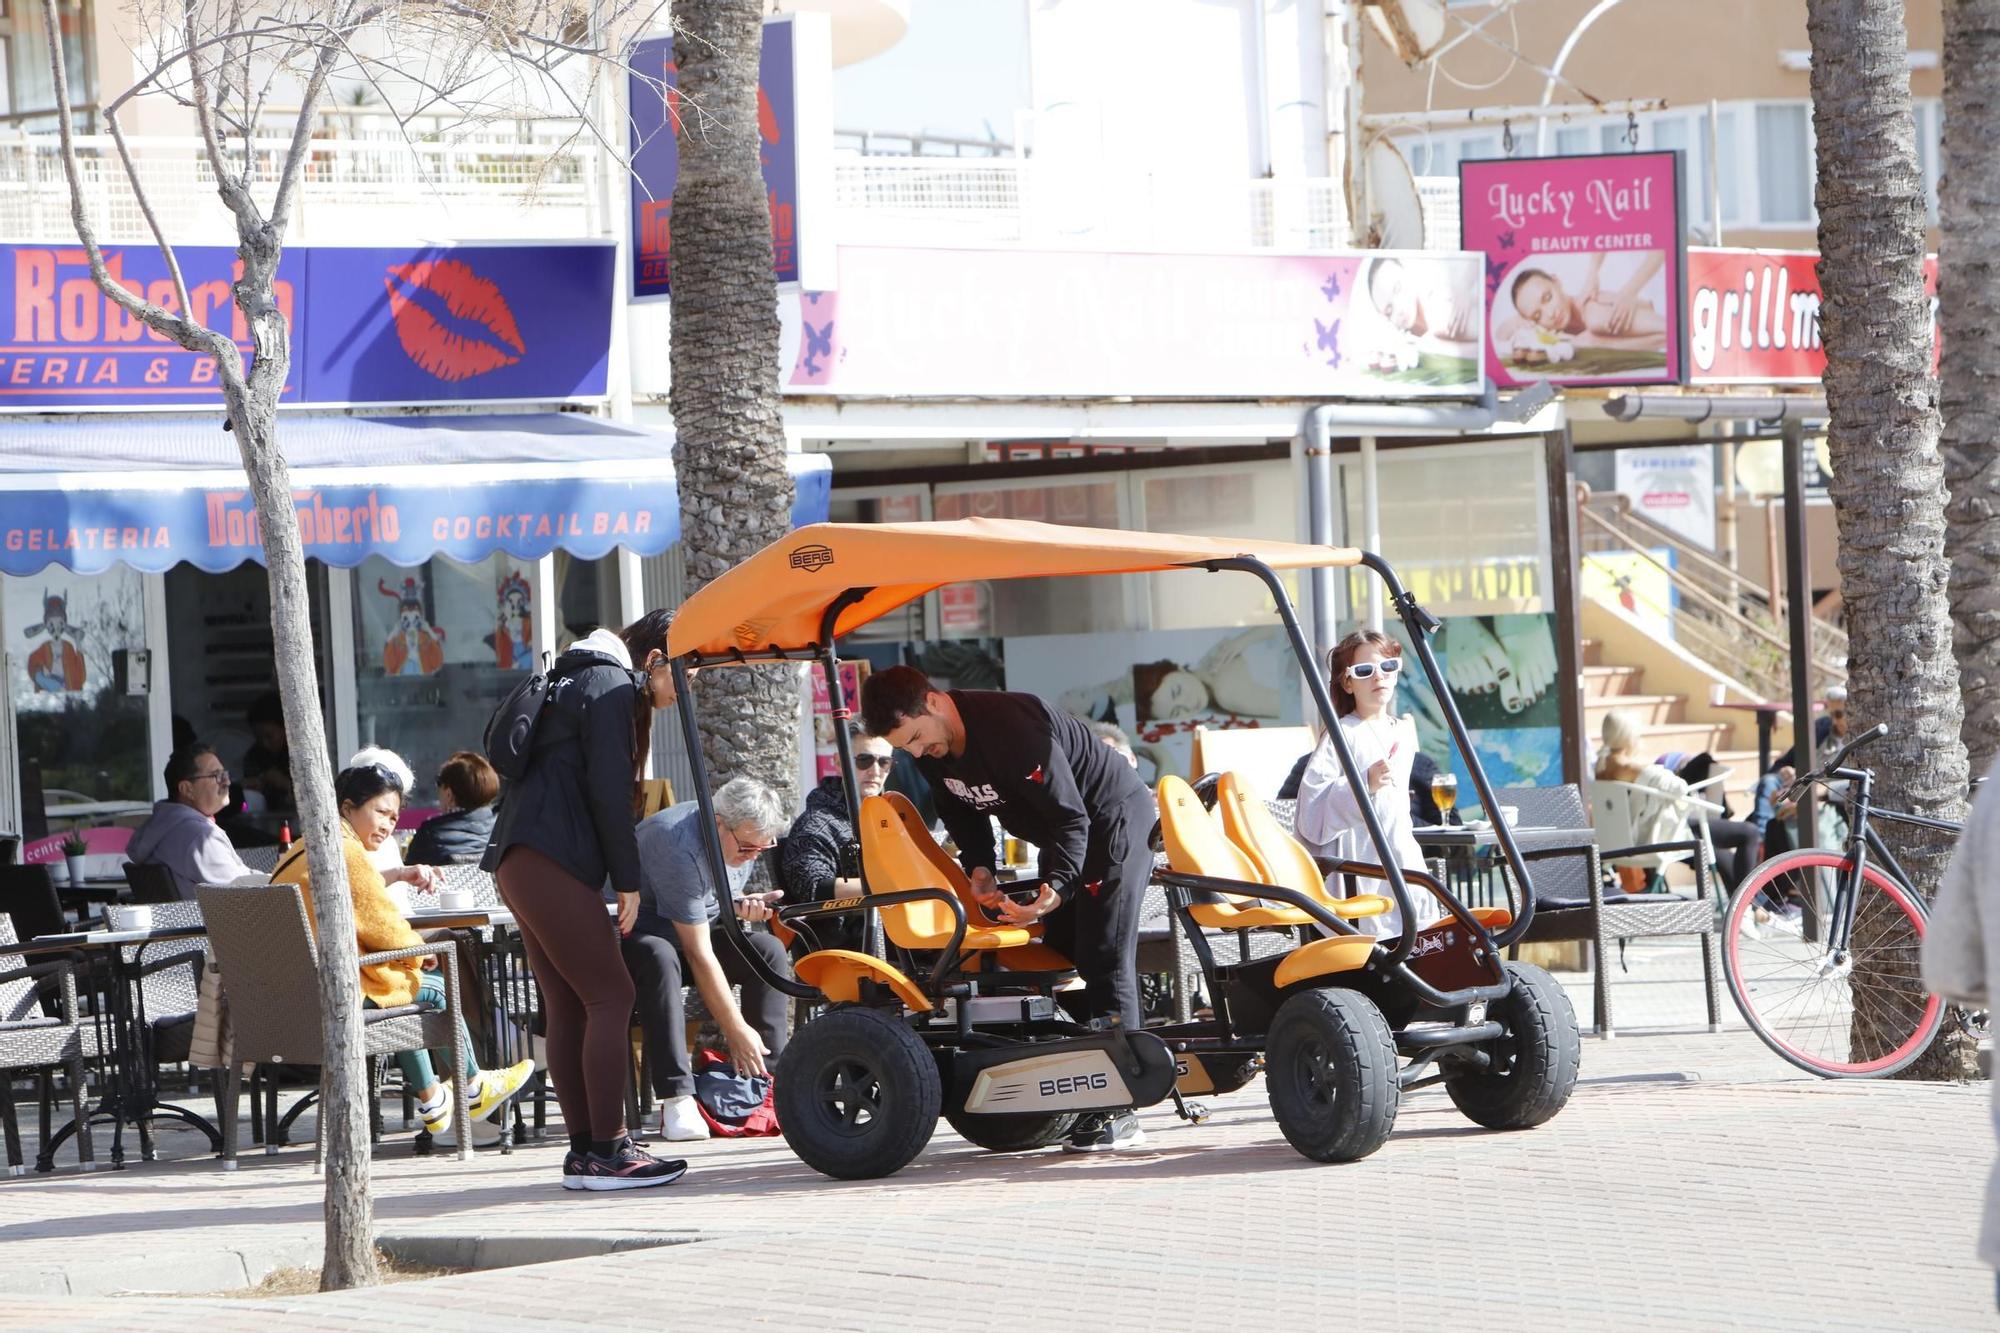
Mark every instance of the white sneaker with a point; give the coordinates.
(680, 1120)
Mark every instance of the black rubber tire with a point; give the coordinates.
(1330, 1065)
(1536, 1066)
(851, 1063)
(1010, 1133)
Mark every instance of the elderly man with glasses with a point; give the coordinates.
(675, 940)
(182, 834)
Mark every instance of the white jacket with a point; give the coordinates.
(1962, 950)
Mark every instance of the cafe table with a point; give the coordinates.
(1471, 853)
(129, 1088)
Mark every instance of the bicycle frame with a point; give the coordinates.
(1862, 841)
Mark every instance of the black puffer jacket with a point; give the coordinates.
(574, 805)
(819, 849)
(451, 838)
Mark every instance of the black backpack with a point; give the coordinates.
(510, 732)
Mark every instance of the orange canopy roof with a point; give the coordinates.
(777, 597)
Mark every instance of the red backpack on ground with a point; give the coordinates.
(734, 1106)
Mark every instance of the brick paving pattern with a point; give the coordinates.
(1694, 1182)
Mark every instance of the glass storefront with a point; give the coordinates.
(438, 645)
(82, 736)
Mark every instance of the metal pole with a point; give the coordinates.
(1371, 525)
(1715, 169)
(1565, 555)
(1798, 589)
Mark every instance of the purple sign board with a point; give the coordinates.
(1585, 267)
(785, 77)
(423, 324)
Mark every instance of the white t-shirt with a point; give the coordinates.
(1328, 818)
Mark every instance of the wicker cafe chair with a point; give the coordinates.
(30, 1039)
(28, 896)
(270, 976)
(1572, 903)
(263, 860)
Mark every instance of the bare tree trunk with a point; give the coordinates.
(252, 401)
(1888, 483)
(729, 447)
(1969, 196)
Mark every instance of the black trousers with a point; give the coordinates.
(1098, 928)
(658, 974)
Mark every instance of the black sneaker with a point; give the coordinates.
(573, 1169)
(1100, 1132)
(629, 1167)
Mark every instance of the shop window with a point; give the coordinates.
(1784, 164)
(1461, 524)
(1036, 606)
(588, 597)
(435, 649)
(25, 78)
(1251, 500)
(81, 739)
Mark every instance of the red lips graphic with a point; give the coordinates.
(446, 354)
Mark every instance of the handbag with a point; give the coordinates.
(735, 1106)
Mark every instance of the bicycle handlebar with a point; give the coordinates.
(1838, 759)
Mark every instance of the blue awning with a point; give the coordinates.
(87, 494)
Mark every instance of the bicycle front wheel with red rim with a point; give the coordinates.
(1858, 1013)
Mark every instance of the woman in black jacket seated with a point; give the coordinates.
(820, 847)
(467, 786)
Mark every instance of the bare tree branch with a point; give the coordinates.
(180, 327)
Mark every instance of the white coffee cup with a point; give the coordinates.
(129, 917)
(455, 900)
(1511, 813)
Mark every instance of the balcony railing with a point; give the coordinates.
(364, 182)
(483, 188)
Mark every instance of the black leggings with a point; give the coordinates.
(659, 971)
(1735, 849)
(1098, 928)
(586, 995)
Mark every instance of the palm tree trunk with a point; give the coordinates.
(1888, 484)
(1970, 269)
(729, 447)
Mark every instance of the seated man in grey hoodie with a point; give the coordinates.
(182, 834)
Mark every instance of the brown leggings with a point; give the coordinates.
(586, 991)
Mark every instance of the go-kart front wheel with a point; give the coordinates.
(1330, 1063)
(1534, 1067)
(857, 1094)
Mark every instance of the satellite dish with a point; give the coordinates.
(1413, 28)
(1395, 210)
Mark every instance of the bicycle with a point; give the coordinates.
(1790, 949)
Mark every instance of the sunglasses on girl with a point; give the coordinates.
(874, 760)
(1388, 666)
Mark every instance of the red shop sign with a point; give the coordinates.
(1753, 316)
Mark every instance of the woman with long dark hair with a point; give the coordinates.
(565, 828)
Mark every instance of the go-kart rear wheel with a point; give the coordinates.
(1010, 1133)
(1330, 1063)
(857, 1094)
(1534, 1067)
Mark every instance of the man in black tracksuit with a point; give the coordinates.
(1050, 782)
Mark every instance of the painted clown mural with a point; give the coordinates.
(57, 665)
(415, 647)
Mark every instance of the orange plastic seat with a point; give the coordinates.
(897, 853)
(1280, 859)
(1196, 845)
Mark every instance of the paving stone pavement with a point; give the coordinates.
(1694, 1182)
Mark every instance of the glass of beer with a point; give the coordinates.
(1444, 791)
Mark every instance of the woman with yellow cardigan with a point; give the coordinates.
(371, 798)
